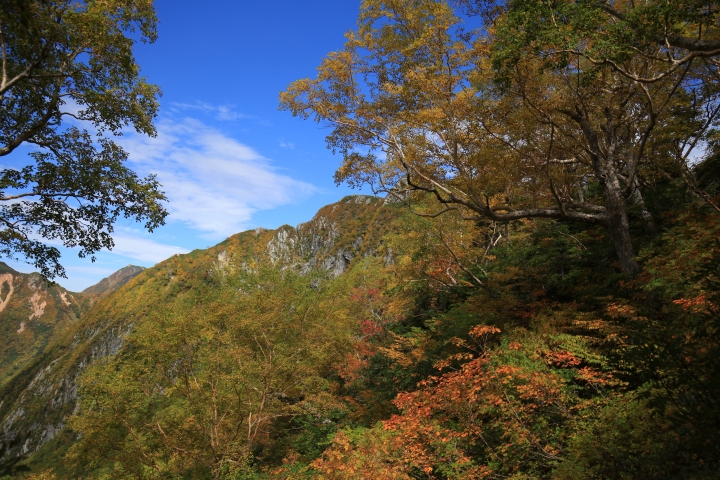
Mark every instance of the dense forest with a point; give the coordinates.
(532, 293)
(445, 349)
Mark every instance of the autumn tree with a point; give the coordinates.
(67, 68)
(200, 383)
(638, 84)
(488, 412)
(487, 124)
(673, 35)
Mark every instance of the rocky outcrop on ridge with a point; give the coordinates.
(36, 405)
(33, 314)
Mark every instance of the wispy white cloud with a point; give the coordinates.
(129, 243)
(220, 112)
(144, 249)
(284, 144)
(96, 271)
(214, 182)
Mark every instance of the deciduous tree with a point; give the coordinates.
(199, 385)
(493, 129)
(67, 67)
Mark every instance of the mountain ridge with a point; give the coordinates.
(116, 280)
(46, 395)
(35, 313)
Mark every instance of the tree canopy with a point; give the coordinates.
(69, 83)
(522, 117)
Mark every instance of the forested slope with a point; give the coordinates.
(371, 342)
(35, 408)
(31, 315)
(35, 314)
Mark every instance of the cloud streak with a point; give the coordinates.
(220, 112)
(129, 244)
(144, 249)
(214, 182)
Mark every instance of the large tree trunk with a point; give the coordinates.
(604, 165)
(645, 215)
(618, 225)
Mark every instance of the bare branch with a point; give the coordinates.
(457, 260)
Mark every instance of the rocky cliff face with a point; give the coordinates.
(35, 411)
(33, 314)
(40, 328)
(330, 240)
(36, 405)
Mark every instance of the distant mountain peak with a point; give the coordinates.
(114, 281)
(5, 268)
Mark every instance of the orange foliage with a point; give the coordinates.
(563, 359)
(695, 305)
(367, 456)
(354, 362)
(487, 404)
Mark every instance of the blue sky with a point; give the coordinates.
(227, 158)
